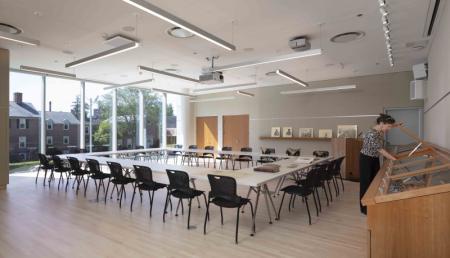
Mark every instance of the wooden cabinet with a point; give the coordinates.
(408, 207)
(350, 148)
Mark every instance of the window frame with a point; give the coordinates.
(49, 124)
(24, 120)
(22, 141)
(64, 140)
(47, 138)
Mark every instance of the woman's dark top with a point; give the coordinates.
(373, 142)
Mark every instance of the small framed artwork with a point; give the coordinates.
(287, 132)
(306, 133)
(276, 132)
(347, 131)
(325, 133)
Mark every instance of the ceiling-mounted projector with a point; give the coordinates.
(211, 78)
(300, 43)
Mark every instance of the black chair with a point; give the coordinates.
(326, 176)
(293, 152)
(44, 164)
(224, 157)
(117, 178)
(190, 156)
(224, 194)
(321, 153)
(144, 182)
(321, 169)
(78, 172)
(244, 158)
(302, 190)
(266, 159)
(97, 174)
(337, 171)
(179, 188)
(207, 155)
(174, 154)
(59, 167)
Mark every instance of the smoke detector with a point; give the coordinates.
(299, 43)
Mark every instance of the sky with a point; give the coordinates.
(60, 92)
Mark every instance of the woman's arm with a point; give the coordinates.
(387, 155)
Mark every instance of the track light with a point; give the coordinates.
(291, 78)
(148, 69)
(385, 20)
(19, 39)
(386, 28)
(46, 72)
(247, 94)
(170, 18)
(383, 11)
(104, 54)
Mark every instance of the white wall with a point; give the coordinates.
(437, 104)
(319, 110)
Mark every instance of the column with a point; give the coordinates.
(82, 115)
(90, 125)
(43, 124)
(4, 118)
(141, 119)
(114, 121)
(164, 121)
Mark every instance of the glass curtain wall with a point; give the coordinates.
(24, 117)
(153, 119)
(127, 118)
(173, 115)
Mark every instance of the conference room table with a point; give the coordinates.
(247, 177)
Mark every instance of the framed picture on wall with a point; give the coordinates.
(287, 132)
(325, 133)
(306, 133)
(276, 132)
(347, 131)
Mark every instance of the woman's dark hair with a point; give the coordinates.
(385, 119)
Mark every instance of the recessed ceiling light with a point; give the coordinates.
(9, 29)
(347, 36)
(128, 28)
(37, 13)
(180, 33)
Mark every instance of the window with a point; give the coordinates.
(49, 124)
(66, 140)
(86, 130)
(66, 125)
(173, 117)
(22, 141)
(22, 123)
(98, 109)
(49, 140)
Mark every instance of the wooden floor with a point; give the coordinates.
(42, 222)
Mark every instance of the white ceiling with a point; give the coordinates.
(264, 25)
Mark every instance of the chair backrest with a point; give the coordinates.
(139, 147)
(116, 169)
(74, 163)
(94, 166)
(227, 148)
(246, 149)
(178, 179)
(58, 163)
(323, 170)
(293, 152)
(143, 174)
(179, 146)
(43, 160)
(222, 186)
(192, 147)
(268, 151)
(321, 153)
(313, 177)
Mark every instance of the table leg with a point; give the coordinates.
(258, 191)
(267, 193)
(193, 184)
(269, 196)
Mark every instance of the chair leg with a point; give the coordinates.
(318, 199)
(237, 225)
(107, 188)
(315, 203)
(307, 209)
(342, 181)
(189, 213)
(281, 204)
(122, 189)
(329, 190)
(132, 197)
(37, 175)
(86, 186)
(221, 216)
(290, 202)
(206, 217)
(98, 188)
(151, 201)
(326, 194)
(165, 206)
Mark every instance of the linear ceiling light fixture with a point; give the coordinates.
(148, 69)
(170, 18)
(46, 72)
(19, 39)
(172, 92)
(387, 30)
(247, 94)
(104, 54)
(308, 53)
(291, 78)
(338, 88)
(211, 99)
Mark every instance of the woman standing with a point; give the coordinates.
(369, 161)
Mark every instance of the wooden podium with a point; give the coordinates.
(349, 148)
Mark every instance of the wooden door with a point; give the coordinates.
(206, 131)
(236, 131)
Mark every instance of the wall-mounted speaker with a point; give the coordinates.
(417, 89)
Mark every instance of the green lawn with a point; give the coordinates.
(21, 166)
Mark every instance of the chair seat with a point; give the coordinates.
(153, 186)
(265, 160)
(46, 166)
(122, 181)
(230, 202)
(186, 193)
(206, 156)
(80, 172)
(296, 189)
(100, 176)
(244, 159)
(61, 170)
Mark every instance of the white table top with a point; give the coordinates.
(245, 177)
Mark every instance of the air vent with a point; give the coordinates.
(347, 37)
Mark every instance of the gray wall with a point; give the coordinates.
(437, 104)
(4, 118)
(315, 110)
